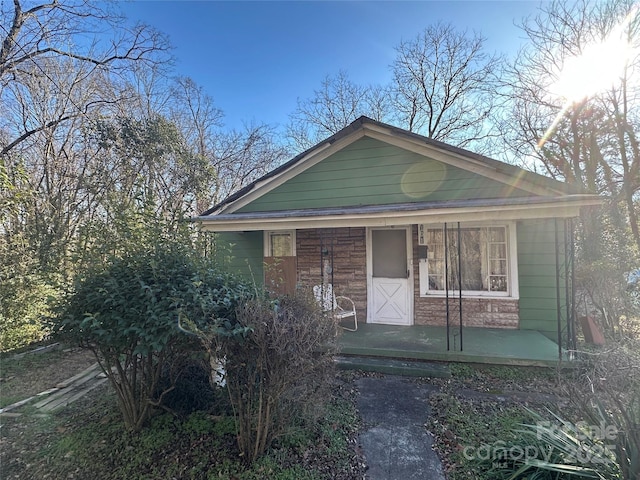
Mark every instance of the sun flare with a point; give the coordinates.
(600, 66)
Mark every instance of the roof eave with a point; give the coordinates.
(566, 207)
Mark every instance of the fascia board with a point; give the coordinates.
(391, 218)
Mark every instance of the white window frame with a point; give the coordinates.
(512, 263)
(267, 241)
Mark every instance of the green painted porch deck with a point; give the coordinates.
(481, 345)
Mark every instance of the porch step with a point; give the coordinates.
(394, 366)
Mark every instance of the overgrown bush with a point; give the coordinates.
(553, 449)
(127, 312)
(599, 437)
(603, 292)
(24, 303)
(610, 396)
(26, 293)
(278, 368)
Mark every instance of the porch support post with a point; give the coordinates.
(446, 279)
(570, 274)
(333, 234)
(460, 281)
(322, 279)
(558, 303)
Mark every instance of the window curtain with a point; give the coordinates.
(483, 253)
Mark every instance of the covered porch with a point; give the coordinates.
(496, 346)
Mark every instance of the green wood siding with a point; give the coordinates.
(370, 172)
(537, 276)
(241, 253)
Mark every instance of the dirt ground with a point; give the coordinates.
(23, 376)
(25, 431)
(20, 378)
(33, 373)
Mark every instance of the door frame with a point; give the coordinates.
(410, 287)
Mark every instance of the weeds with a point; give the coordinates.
(594, 433)
(465, 427)
(278, 370)
(88, 440)
(554, 448)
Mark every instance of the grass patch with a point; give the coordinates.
(12, 365)
(325, 445)
(90, 442)
(502, 378)
(467, 430)
(505, 373)
(479, 415)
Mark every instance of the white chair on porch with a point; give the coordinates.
(339, 307)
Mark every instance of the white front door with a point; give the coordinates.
(389, 272)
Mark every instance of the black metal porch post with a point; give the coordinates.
(333, 234)
(322, 279)
(460, 281)
(558, 303)
(446, 280)
(570, 278)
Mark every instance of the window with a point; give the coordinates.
(281, 243)
(484, 260)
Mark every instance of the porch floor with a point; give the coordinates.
(481, 345)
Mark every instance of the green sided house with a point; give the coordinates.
(446, 254)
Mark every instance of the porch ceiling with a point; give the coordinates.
(403, 214)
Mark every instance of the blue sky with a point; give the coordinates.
(257, 58)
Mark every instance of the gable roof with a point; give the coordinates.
(537, 188)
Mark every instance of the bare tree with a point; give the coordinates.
(242, 156)
(200, 122)
(91, 128)
(88, 34)
(196, 112)
(444, 85)
(233, 157)
(589, 138)
(52, 165)
(335, 105)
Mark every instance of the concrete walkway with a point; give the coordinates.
(395, 442)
